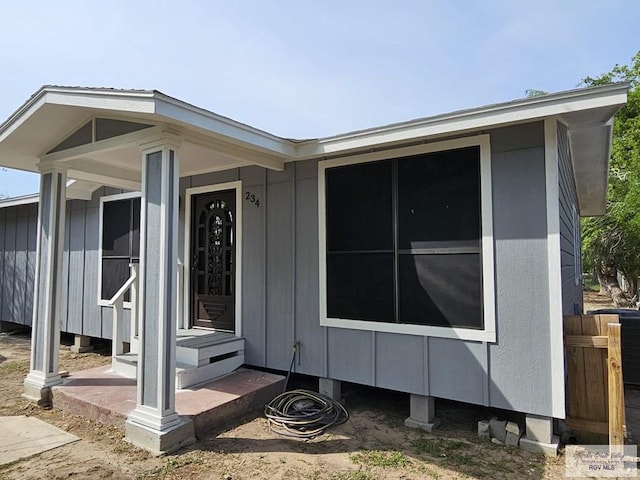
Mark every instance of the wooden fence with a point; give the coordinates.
(594, 379)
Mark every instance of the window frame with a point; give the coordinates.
(105, 199)
(488, 333)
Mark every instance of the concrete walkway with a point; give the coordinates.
(22, 437)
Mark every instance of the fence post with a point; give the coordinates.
(616, 390)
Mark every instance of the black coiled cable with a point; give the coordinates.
(303, 414)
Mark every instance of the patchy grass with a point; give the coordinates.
(169, 467)
(14, 367)
(355, 475)
(380, 458)
(438, 447)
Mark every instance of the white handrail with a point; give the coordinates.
(117, 302)
(123, 289)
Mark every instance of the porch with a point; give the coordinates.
(109, 397)
(141, 143)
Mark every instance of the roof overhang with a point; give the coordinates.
(211, 142)
(76, 190)
(587, 112)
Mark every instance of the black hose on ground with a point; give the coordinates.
(303, 413)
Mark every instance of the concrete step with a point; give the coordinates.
(188, 376)
(198, 349)
(125, 364)
(199, 359)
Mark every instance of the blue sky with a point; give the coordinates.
(307, 69)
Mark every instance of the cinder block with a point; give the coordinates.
(539, 429)
(512, 439)
(483, 429)
(513, 427)
(497, 429)
(549, 449)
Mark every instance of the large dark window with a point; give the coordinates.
(403, 240)
(120, 243)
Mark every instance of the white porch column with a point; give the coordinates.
(154, 424)
(45, 333)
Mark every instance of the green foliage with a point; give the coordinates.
(530, 93)
(612, 243)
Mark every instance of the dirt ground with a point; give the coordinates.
(594, 300)
(373, 444)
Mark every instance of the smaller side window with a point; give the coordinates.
(120, 244)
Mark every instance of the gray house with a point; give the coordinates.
(434, 257)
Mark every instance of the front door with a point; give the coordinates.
(213, 260)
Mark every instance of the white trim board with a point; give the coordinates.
(237, 186)
(556, 338)
(488, 334)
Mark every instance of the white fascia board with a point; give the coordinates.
(22, 200)
(104, 99)
(141, 103)
(492, 116)
(226, 128)
(21, 116)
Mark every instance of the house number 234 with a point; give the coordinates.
(252, 198)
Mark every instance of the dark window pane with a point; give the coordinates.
(115, 271)
(116, 222)
(135, 228)
(442, 290)
(439, 199)
(360, 286)
(359, 206)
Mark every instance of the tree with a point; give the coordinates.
(611, 243)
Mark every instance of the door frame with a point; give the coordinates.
(190, 192)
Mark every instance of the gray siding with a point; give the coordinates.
(568, 201)
(80, 311)
(17, 263)
(280, 290)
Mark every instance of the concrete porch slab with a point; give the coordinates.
(105, 396)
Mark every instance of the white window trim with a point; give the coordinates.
(237, 186)
(488, 334)
(103, 200)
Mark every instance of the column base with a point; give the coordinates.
(37, 387)
(81, 344)
(331, 388)
(422, 413)
(160, 442)
(534, 446)
(426, 426)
